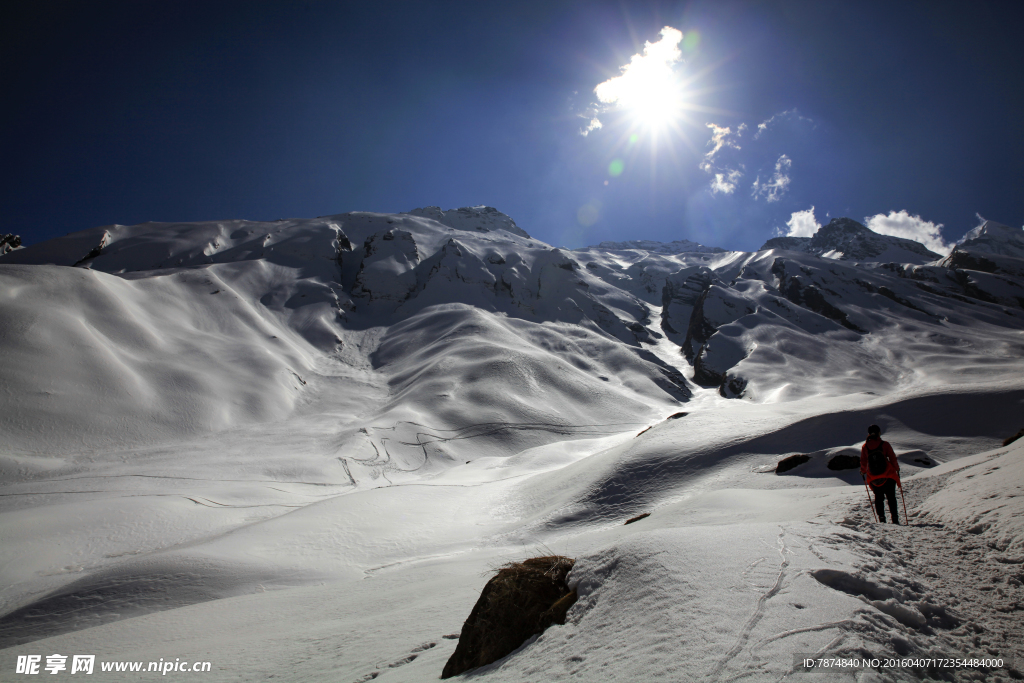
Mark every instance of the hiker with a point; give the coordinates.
(880, 469)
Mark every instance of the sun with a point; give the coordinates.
(648, 88)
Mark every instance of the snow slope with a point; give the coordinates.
(296, 449)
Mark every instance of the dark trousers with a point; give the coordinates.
(886, 488)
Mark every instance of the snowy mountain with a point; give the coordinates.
(674, 247)
(298, 447)
(848, 240)
(994, 238)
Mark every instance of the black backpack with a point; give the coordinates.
(877, 462)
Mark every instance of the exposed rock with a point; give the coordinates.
(680, 295)
(712, 363)
(844, 462)
(344, 248)
(790, 243)
(638, 518)
(716, 306)
(1010, 439)
(732, 387)
(95, 251)
(789, 463)
(9, 242)
(521, 600)
(386, 270)
(704, 374)
(804, 293)
(960, 259)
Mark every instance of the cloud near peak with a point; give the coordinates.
(902, 224)
(894, 224)
(802, 224)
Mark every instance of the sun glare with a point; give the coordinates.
(648, 87)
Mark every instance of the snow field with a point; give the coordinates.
(298, 449)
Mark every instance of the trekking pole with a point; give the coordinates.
(874, 515)
(906, 520)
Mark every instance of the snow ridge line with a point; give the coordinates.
(758, 611)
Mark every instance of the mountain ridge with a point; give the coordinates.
(846, 239)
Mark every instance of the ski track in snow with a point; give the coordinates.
(758, 613)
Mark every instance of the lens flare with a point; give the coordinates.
(588, 214)
(616, 168)
(692, 41)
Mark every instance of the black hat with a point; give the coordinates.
(874, 429)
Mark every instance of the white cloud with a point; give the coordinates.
(592, 125)
(723, 178)
(725, 155)
(722, 136)
(776, 186)
(788, 114)
(902, 224)
(653, 66)
(802, 224)
(726, 182)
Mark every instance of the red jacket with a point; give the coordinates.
(893, 469)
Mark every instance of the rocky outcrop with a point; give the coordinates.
(789, 243)
(95, 251)
(523, 599)
(386, 272)
(9, 243)
(844, 462)
(716, 306)
(679, 298)
(786, 464)
(803, 292)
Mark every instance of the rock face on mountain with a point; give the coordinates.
(764, 319)
(847, 240)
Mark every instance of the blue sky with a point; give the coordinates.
(136, 111)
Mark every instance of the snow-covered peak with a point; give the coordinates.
(994, 238)
(846, 239)
(654, 247)
(475, 218)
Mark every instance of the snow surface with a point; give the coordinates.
(995, 238)
(298, 450)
